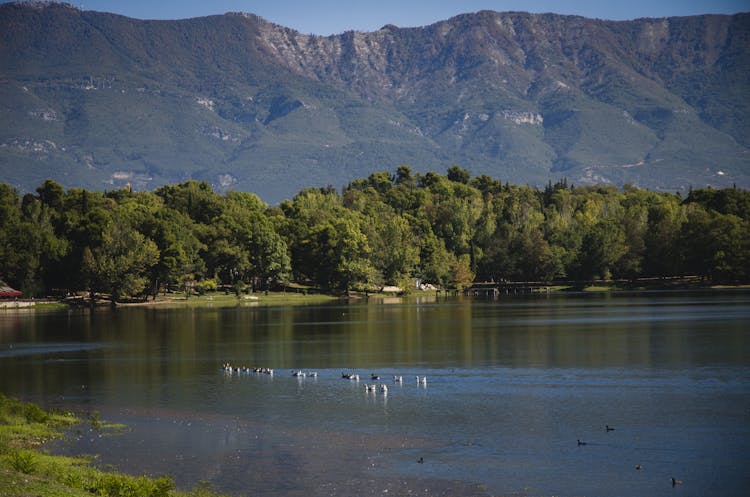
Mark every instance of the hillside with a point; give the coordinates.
(98, 100)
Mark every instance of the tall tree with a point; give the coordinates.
(121, 265)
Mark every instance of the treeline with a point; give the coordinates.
(448, 230)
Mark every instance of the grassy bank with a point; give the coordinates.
(254, 299)
(211, 299)
(644, 284)
(26, 469)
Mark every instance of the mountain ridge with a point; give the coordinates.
(98, 100)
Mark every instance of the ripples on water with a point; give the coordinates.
(512, 385)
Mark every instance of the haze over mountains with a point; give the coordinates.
(98, 100)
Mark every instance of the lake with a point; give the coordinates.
(512, 385)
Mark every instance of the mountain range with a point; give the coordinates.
(98, 100)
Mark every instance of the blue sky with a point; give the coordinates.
(326, 17)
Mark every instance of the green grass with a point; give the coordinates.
(220, 299)
(600, 288)
(27, 470)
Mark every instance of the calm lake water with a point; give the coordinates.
(512, 385)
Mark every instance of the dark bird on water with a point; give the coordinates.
(676, 482)
(637, 467)
(581, 443)
(421, 460)
(609, 428)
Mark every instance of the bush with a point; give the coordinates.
(34, 414)
(207, 285)
(23, 461)
(115, 485)
(10, 407)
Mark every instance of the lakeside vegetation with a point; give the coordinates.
(26, 469)
(387, 229)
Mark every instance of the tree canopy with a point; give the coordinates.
(386, 229)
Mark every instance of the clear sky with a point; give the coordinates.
(326, 17)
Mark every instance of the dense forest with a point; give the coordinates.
(388, 229)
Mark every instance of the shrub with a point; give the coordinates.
(207, 285)
(23, 461)
(34, 414)
(116, 485)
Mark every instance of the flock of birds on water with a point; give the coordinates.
(369, 387)
(373, 387)
(638, 467)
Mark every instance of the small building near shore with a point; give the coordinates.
(6, 292)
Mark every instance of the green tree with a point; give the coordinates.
(180, 261)
(458, 174)
(342, 254)
(662, 255)
(603, 245)
(461, 275)
(713, 245)
(246, 244)
(194, 198)
(303, 216)
(121, 265)
(29, 246)
(404, 176)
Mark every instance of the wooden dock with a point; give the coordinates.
(506, 288)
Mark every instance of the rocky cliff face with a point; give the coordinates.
(244, 103)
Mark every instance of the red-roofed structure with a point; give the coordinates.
(6, 291)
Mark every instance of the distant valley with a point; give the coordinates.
(98, 101)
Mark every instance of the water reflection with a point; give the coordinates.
(512, 384)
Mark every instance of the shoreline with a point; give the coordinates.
(28, 468)
(268, 299)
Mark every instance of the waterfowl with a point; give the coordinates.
(676, 482)
(398, 379)
(609, 428)
(370, 388)
(346, 376)
(637, 467)
(581, 443)
(298, 374)
(374, 377)
(423, 380)
(384, 388)
(420, 460)
(313, 374)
